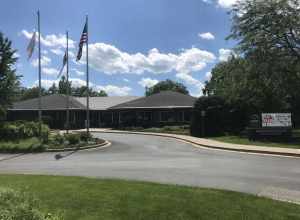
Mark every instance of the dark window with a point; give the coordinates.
(166, 116)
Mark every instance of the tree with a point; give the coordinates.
(53, 89)
(271, 25)
(9, 81)
(167, 85)
(266, 74)
(64, 86)
(81, 92)
(31, 93)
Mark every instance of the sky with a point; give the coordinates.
(133, 44)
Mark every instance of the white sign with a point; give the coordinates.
(276, 119)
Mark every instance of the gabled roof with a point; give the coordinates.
(166, 99)
(59, 102)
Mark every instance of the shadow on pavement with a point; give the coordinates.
(62, 156)
(12, 157)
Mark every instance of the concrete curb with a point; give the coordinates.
(236, 148)
(105, 144)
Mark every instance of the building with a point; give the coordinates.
(165, 108)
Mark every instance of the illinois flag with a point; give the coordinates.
(83, 39)
(31, 45)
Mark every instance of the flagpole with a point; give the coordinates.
(68, 85)
(87, 79)
(40, 84)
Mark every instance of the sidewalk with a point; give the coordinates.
(214, 144)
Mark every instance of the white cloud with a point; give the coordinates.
(148, 82)
(16, 55)
(51, 40)
(57, 51)
(226, 3)
(208, 75)
(113, 90)
(45, 83)
(206, 36)
(189, 80)
(45, 61)
(50, 71)
(225, 54)
(78, 73)
(126, 80)
(110, 60)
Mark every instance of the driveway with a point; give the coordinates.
(167, 160)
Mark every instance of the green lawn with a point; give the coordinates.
(183, 129)
(267, 143)
(84, 198)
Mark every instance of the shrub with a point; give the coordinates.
(73, 138)
(22, 129)
(59, 139)
(15, 205)
(45, 133)
(214, 119)
(84, 136)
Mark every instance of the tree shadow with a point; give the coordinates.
(12, 157)
(60, 156)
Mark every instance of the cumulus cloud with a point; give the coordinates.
(111, 60)
(208, 75)
(45, 61)
(226, 3)
(225, 54)
(148, 82)
(50, 71)
(206, 36)
(190, 80)
(113, 90)
(78, 73)
(51, 40)
(57, 51)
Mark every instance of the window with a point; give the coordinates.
(166, 116)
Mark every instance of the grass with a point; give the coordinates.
(184, 130)
(267, 143)
(84, 198)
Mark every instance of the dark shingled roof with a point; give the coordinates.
(51, 102)
(166, 99)
(58, 102)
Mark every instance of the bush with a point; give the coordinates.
(22, 129)
(214, 119)
(15, 205)
(59, 139)
(84, 136)
(73, 138)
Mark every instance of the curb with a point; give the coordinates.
(105, 144)
(276, 153)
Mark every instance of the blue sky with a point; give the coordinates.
(133, 43)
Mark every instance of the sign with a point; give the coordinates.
(276, 119)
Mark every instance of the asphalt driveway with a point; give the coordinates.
(167, 160)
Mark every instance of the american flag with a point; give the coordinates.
(83, 39)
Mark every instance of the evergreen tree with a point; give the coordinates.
(9, 81)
